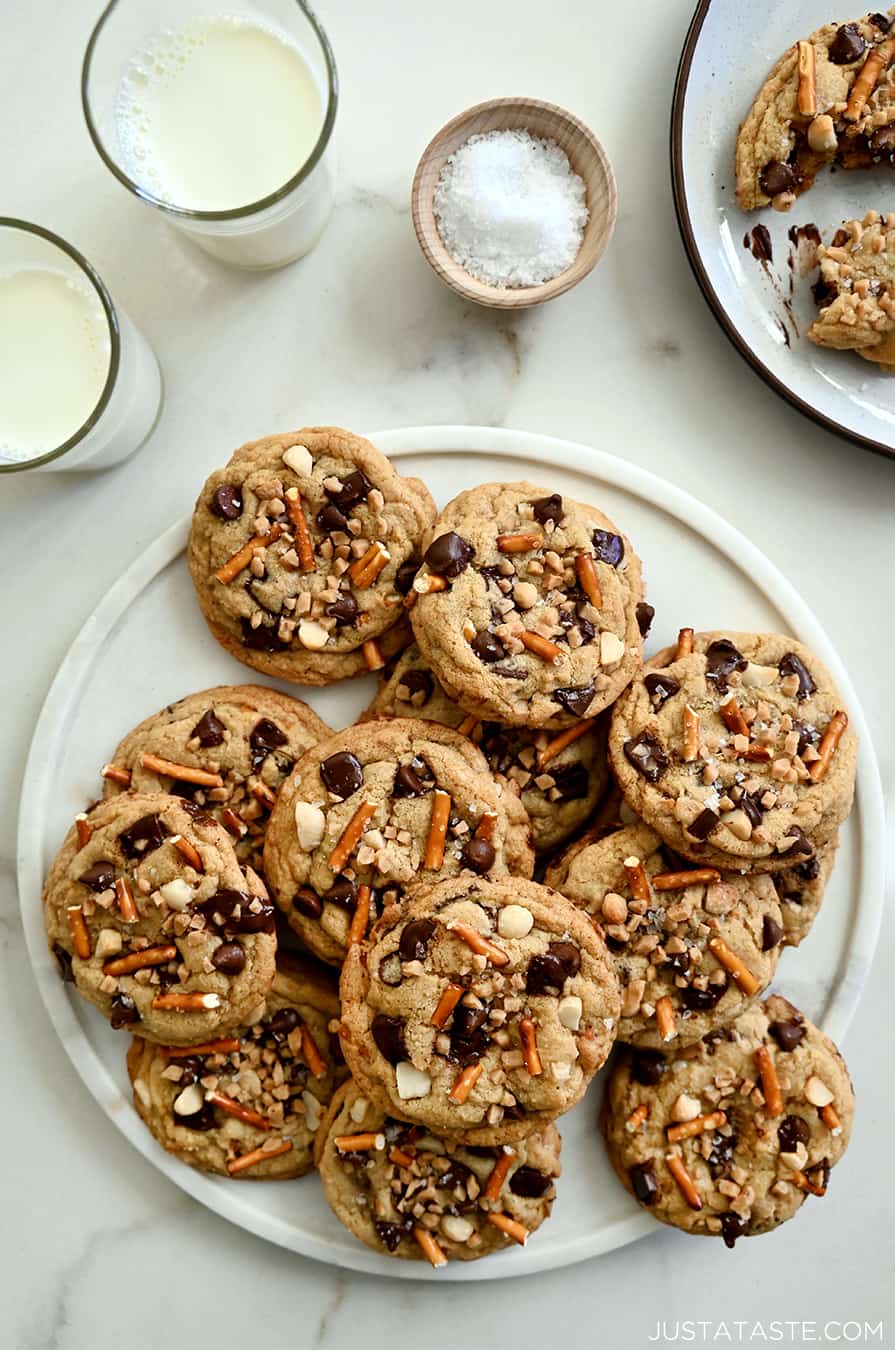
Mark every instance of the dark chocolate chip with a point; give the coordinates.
(408, 782)
(568, 955)
(418, 682)
(702, 1000)
(344, 610)
(722, 658)
(548, 508)
(457, 1174)
(355, 488)
(283, 1023)
(330, 519)
(509, 672)
(808, 870)
(790, 664)
(771, 933)
(415, 938)
(209, 730)
(571, 781)
(530, 1183)
(643, 1181)
(801, 846)
(546, 974)
(847, 46)
(751, 804)
(704, 823)
(404, 576)
(608, 548)
(264, 638)
(144, 836)
(645, 615)
(99, 876)
(648, 1066)
(787, 1034)
(576, 698)
(732, 1227)
(307, 903)
(647, 756)
(124, 1012)
(342, 774)
(449, 555)
(342, 893)
(660, 687)
(791, 1132)
(64, 962)
(478, 854)
(776, 178)
(202, 1120)
(389, 1234)
(229, 958)
(226, 502)
(230, 912)
(882, 21)
(882, 143)
(264, 737)
(488, 647)
(469, 1034)
(388, 1033)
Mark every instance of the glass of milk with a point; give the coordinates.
(80, 387)
(219, 117)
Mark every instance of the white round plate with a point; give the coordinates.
(764, 309)
(147, 645)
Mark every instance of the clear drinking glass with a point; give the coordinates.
(128, 405)
(270, 232)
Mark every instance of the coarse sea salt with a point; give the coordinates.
(510, 209)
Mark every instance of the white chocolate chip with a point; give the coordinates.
(515, 921)
(561, 1070)
(107, 944)
(412, 1082)
(312, 635)
(177, 894)
(822, 134)
(310, 825)
(817, 1092)
(298, 458)
(685, 1108)
(455, 1227)
(143, 1092)
(358, 1110)
(612, 649)
(189, 1101)
(569, 1011)
(756, 677)
(525, 594)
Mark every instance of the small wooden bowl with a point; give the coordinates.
(586, 156)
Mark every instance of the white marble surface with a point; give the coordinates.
(97, 1250)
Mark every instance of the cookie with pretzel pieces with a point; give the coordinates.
(856, 290)
(226, 749)
(408, 1194)
(692, 947)
(729, 1138)
(375, 807)
(830, 99)
(559, 776)
(248, 1105)
(301, 551)
(148, 912)
(526, 606)
(736, 749)
(479, 1009)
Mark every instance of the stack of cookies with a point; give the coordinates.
(681, 817)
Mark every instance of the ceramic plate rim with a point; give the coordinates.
(234, 1203)
(700, 272)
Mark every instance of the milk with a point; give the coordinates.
(55, 352)
(218, 115)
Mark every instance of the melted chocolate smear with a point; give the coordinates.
(144, 836)
(415, 939)
(790, 664)
(647, 756)
(660, 688)
(824, 292)
(228, 912)
(576, 698)
(608, 548)
(509, 672)
(342, 774)
(643, 1181)
(758, 241)
(732, 1227)
(722, 658)
(226, 502)
(530, 1183)
(548, 508)
(388, 1034)
(265, 736)
(645, 615)
(99, 877)
(449, 555)
(209, 730)
(64, 962)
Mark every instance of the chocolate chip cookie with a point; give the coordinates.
(479, 1009)
(148, 912)
(526, 606)
(373, 808)
(248, 1105)
(856, 290)
(559, 776)
(692, 947)
(301, 550)
(406, 1193)
(226, 749)
(736, 749)
(729, 1140)
(830, 99)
